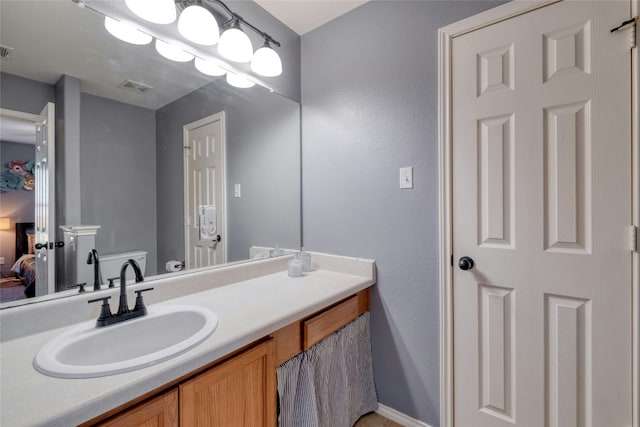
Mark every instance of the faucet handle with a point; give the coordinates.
(105, 311)
(139, 302)
(111, 284)
(80, 286)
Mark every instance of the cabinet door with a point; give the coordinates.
(239, 392)
(161, 411)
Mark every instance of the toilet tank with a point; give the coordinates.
(110, 265)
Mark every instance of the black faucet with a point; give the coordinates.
(106, 318)
(123, 307)
(97, 277)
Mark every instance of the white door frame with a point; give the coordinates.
(35, 118)
(222, 210)
(445, 41)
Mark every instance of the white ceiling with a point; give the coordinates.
(303, 16)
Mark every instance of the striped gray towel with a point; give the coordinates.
(331, 384)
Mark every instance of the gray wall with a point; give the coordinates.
(19, 205)
(20, 94)
(369, 96)
(67, 165)
(263, 155)
(117, 165)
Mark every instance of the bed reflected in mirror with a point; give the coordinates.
(20, 282)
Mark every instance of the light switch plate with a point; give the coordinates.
(406, 177)
(1, 260)
(237, 193)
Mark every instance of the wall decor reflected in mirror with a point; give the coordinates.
(122, 151)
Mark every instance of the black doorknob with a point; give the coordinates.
(465, 263)
(49, 245)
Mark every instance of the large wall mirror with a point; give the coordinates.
(151, 156)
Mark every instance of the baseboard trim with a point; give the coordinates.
(399, 417)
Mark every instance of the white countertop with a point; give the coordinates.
(247, 310)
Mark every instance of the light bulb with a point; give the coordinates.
(198, 25)
(156, 11)
(239, 81)
(125, 32)
(266, 61)
(208, 67)
(172, 52)
(235, 44)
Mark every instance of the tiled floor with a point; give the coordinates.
(375, 420)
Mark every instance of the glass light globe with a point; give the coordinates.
(210, 68)
(235, 44)
(125, 32)
(239, 81)
(266, 62)
(156, 11)
(198, 25)
(172, 52)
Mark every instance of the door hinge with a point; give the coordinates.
(629, 23)
(633, 238)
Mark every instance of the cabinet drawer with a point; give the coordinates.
(321, 326)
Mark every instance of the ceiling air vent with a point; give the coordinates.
(5, 52)
(136, 87)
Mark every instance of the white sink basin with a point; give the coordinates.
(86, 351)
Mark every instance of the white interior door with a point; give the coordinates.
(204, 184)
(541, 185)
(45, 219)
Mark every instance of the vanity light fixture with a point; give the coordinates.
(198, 25)
(172, 52)
(209, 67)
(266, 61)
(126, 32)
(235, 44)
(5, 223)
(236, 80)
(156, 11)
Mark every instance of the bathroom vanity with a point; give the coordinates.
(265, 318)
(240, 386)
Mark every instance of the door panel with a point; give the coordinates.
(204, 185)
(542, 202)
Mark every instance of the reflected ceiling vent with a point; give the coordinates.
(136, 87)
(5, 52)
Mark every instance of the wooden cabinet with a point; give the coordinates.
(239, 392)
(161, 411)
